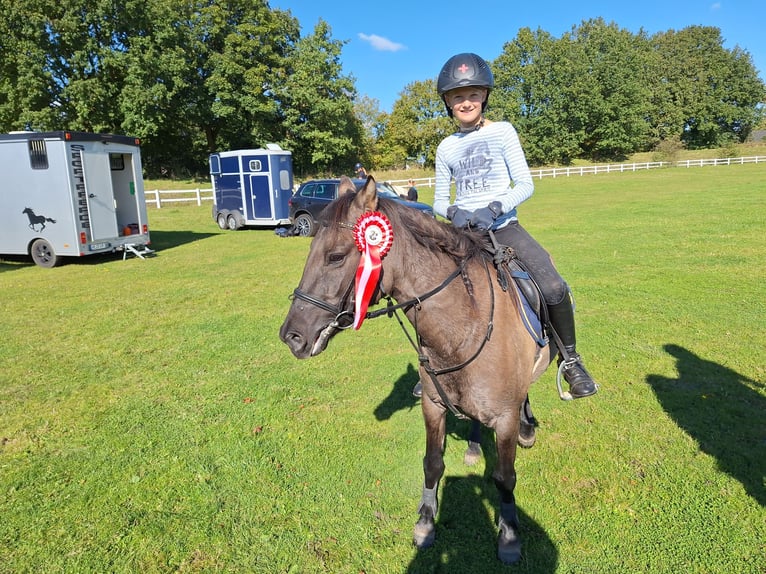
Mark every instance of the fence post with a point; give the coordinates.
(199, 199)
(157, 198)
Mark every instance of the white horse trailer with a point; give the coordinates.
(71, 194)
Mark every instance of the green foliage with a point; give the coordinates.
(416, 126)
(151, 420)
(706, 94)
(669, 150)
(190, 77)
(317, 111)
(602, 93)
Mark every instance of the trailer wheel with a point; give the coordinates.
(221, 219)
(304, 225)
(43, 254)
(232, 222)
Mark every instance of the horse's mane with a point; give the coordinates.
(432, 234)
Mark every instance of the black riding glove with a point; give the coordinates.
(458, 217)
(484, 218)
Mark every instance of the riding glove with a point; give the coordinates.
(484, 218)
(458, 217)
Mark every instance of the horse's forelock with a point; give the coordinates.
(337, 211)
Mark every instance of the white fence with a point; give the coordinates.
(177, 195)
(608, 168)
(160, 197)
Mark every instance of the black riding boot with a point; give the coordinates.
(581, 384)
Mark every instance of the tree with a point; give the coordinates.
(418, 122)
(711, 93)
(316, 107)
(532, 78)
(202, 77)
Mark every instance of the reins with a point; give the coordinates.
(391, 310)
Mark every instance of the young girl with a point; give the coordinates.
(491, 176)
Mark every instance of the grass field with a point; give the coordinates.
(152, 421)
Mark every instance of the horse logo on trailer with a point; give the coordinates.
(35, 219)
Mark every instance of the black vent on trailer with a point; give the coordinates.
(38, 154)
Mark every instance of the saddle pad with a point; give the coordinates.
(529, 317)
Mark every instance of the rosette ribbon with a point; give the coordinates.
(373, 235)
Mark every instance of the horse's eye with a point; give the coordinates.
(333, 258)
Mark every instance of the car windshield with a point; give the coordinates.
(385, 189)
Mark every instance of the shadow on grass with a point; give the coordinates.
(161, 241)
(466, 533)
(723, 411)
(14, 262)
(169, 239)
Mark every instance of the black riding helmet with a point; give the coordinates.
(462, 70)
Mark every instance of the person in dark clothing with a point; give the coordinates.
(412, 192)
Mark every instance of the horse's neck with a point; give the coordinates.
(457, 312)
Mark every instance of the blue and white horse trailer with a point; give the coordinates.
(251, 187)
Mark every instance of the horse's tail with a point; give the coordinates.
(51, 220)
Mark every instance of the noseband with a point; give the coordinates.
(343, 318)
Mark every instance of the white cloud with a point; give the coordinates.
(715, 6)
(381, 43)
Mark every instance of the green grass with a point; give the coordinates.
(151, 420)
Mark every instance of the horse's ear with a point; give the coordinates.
(367, 197)
(346, 186)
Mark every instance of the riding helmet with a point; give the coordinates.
(466, 69)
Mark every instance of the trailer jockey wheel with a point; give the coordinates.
(43, 254)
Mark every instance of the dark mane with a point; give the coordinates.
(432, 234)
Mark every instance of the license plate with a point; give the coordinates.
(97, 246)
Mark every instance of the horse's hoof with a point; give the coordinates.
(472, 454)
(526, 435)
(509, 554)
(424, 535)
(508, 545)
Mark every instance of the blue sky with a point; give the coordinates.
(392, 43)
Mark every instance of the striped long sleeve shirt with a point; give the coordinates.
(486, 165)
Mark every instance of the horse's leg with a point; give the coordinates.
(433, 468)
(509, 541)
(473, 452)
(527, 425)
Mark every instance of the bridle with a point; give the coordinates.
(344, 319)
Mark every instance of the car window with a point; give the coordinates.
(308, 190)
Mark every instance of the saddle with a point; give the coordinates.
(512, 276)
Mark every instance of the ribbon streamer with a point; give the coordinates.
(373, 235)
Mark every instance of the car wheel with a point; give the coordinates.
(43, 254)
(304, 225)
(221, 219)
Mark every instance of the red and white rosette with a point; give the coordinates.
(373, 235)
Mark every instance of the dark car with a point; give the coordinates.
(314, 195)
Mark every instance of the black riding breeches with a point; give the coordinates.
(537, 261)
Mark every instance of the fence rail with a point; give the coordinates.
(177, 195)
(160, 197)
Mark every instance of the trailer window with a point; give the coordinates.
(255, 165)
(116, 161)
(38, 154)
(284, 179)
